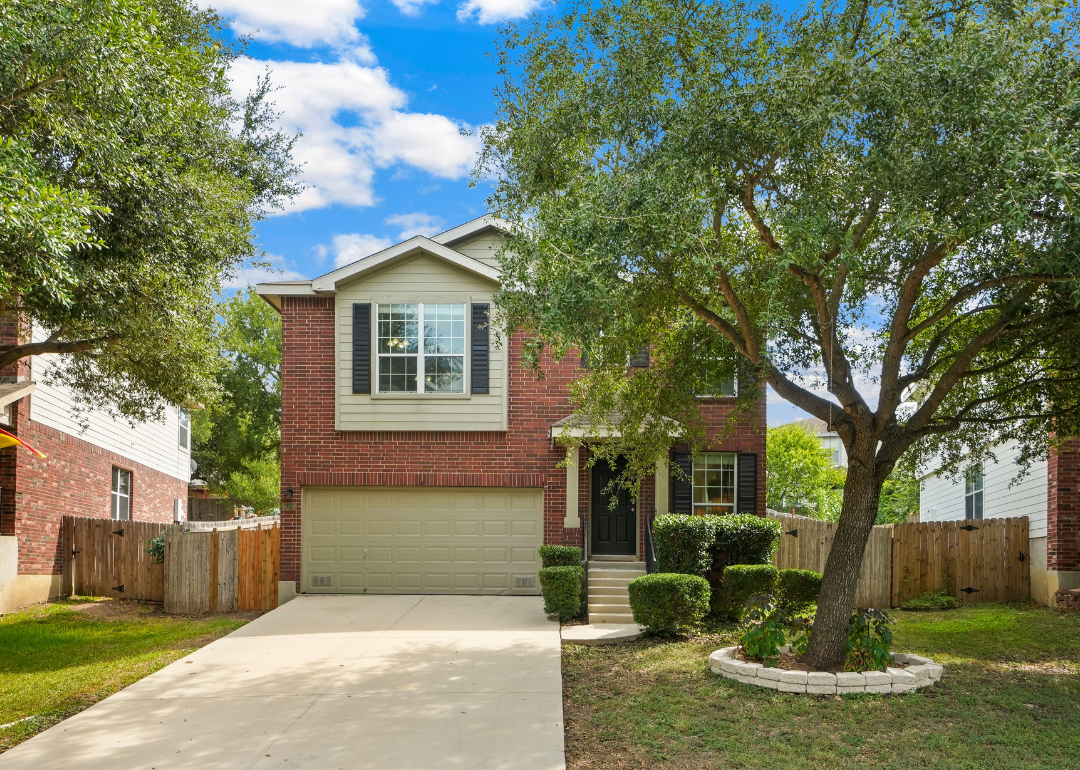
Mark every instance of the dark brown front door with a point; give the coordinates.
(614, 522)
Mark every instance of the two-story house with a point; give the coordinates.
(419, 456)
(94, 466)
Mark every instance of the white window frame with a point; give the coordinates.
(116, 496)
(694, 505)
(420, 391)
(974, 496)
(184, 437)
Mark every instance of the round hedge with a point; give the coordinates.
(669, 603)
(560, 555)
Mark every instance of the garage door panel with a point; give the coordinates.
(421, 540)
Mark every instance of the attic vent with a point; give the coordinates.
(322, 581)
(525, 582)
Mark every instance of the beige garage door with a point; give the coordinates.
(421, 540)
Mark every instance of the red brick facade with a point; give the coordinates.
(313, 452)
(75, 479)
(1063, 508)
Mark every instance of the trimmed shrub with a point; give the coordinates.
(931, 602)
(797, 589)
(561, 587)
(746, 539)
(741, 581)
(669, 603)
(560, 555)
(684, 543)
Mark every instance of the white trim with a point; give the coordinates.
(330, 281)
(469, 229)
(573, 462)
(11, 392)
(420, 356)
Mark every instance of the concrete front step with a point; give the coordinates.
(608, 606)
(595, 590)
(600, 579)
(622, 574)
(622, 617)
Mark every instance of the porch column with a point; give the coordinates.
(573, 455)
(662, 477)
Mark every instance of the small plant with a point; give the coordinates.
(561, 587)
(764, 634)
(560, 555)
(937, 601)
(155, 546)
(797, 590)
(869, 640)
(668, 603)
(742, 581)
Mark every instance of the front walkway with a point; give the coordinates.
(388, 682)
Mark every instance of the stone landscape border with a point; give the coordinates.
(918, 672)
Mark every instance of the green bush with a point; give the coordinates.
(797, 589)
(669, 603)
(869, 640)
(560, 555)
(746, 539)
(683, 543)
(741, 581)
(931, 602)
(561, 587)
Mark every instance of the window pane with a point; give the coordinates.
(399, 328)
(124, 504)
(444, 329)
(397, 374)
(444, 374)
(714, 483)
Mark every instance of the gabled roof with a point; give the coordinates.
(438, 246)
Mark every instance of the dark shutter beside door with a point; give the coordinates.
(361, 347)
(481, 348)
(747, 483)
(640, 360)
(682, 489)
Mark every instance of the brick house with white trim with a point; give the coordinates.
(419, 456)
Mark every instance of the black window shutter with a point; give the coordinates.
(640, 360)
(481, 348)
(682, 489)
(361, 347)
(747, 481)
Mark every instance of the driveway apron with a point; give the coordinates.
(389, 682)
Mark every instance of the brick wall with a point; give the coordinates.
(75, 479)
(1063, 508)
(313, 452)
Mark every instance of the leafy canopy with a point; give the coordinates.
(129, 182)
(800, 474)
(237, 437)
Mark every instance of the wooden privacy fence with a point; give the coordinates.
(805, 544)
(221, 570)
(982, 560)
(985, 560)
(108, 558)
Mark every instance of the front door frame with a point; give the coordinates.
(595, 501)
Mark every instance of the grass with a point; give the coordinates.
(56, 660)
(1008, 699)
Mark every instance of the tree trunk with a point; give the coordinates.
(840, 581)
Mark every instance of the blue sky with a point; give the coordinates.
(380, 90)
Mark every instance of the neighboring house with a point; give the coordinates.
(830, 439)
(94, 466)
(1049, 495)
(419, 456)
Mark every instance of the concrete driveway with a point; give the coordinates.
(392, 682)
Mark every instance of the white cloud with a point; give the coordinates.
(350, 247)
(412, 7)
(416, 223)
(249, 276)
(494, 11)
(303, 24)
(354, 121)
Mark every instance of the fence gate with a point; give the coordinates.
(984, 560)
(222, 570)
(103, 557)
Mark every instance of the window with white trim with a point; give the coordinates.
(714, 483)
(723, 389)
(421, 342)
(121, 494)
(973, 493)
(185, 430)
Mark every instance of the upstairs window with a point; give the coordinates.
(421, 343)
(185, 430)
(722, 389)
(714, 483)
(121, 494)
(973, 493)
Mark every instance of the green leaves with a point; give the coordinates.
(800, 474)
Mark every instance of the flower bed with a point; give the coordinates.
(911, 673)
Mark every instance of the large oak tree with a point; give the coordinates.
(871, 208)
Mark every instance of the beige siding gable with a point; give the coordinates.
(428, 280)
(482, 248)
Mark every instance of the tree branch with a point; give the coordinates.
(23, 93)
(10, 354)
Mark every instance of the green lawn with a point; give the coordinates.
(56, 661)
(1010, 698)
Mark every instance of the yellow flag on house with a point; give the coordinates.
(10, 439)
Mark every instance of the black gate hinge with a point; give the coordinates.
(119, 588)
(1021, 557)
(969, 528)
(969, 590)
(119, 532)
(793, 533)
